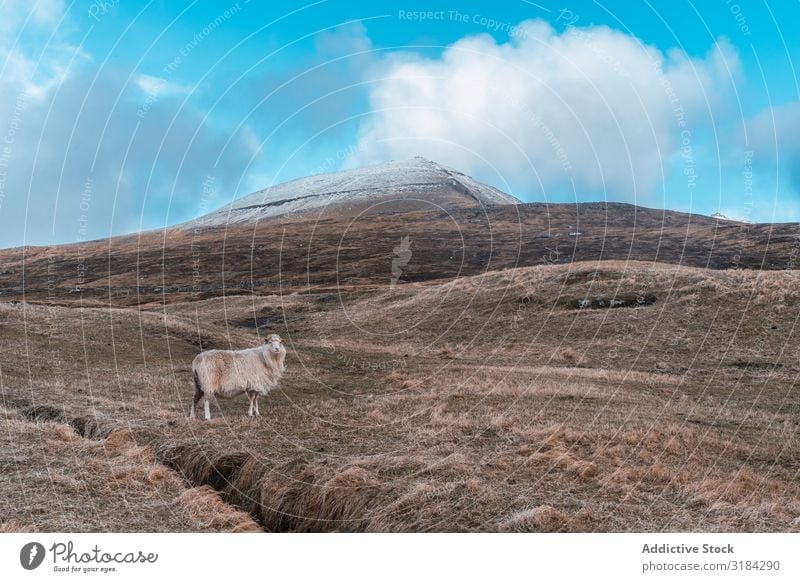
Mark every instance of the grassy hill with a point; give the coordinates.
(480, 403)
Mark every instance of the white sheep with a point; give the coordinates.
(228, 373)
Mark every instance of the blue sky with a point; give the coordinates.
(119, 116)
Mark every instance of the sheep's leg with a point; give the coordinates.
(198, 392)
(250, 396)
(207, 408)
(198, 395)
(255, 398)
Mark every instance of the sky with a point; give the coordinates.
(121, 116)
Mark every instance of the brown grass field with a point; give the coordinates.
(479, 402)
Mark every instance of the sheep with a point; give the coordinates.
(228, 373)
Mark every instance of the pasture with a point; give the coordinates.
(483, 403)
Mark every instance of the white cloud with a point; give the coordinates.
(589, 106)
(158, 86)
(36, 13)
(33, 58)
(89, 149)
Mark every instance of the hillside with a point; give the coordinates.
(310, 255)
(474, 367)
(481, 404)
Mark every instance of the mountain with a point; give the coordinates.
(440, 375)
(397, 186)
(354, 231)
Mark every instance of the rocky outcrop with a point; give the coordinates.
(601, 302)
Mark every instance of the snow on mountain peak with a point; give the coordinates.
(417, 179)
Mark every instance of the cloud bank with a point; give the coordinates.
(89, 149)
(592, 109)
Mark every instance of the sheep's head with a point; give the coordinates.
(274, 344)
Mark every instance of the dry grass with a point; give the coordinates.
(206, 507)
(542, 519)
(436, 407)
(56, 480)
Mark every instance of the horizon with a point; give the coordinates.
(121, 119)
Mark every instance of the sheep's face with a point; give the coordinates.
(274, 343)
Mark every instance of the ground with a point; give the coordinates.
(486, 402)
